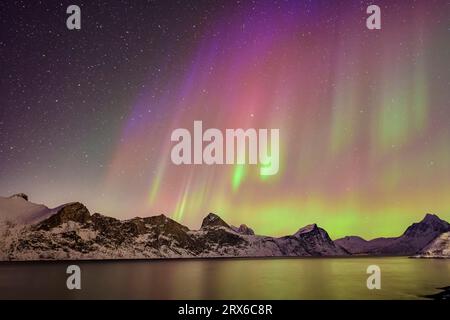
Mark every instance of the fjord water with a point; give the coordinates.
(288, 278)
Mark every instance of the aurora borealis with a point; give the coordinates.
(364, 115)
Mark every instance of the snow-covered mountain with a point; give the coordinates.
(438, 248)
(73, 233)
(416, 237)
(35, 232)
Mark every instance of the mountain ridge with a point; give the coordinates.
(413, 239)
(72, 232)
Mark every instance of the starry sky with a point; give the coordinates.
(364, 115)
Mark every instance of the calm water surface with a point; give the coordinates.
(327, 278)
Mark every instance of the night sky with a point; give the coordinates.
(364, 115)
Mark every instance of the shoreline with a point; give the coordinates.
(219, 258)
(443, 295)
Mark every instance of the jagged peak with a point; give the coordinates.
(213, 220)
(19, 195)
(243, 229)
(430, 217)
(307, 229)
(74, 211)
(97, 215)
(159, 217)
(430, 223)
(100, 218)
(162, 219)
